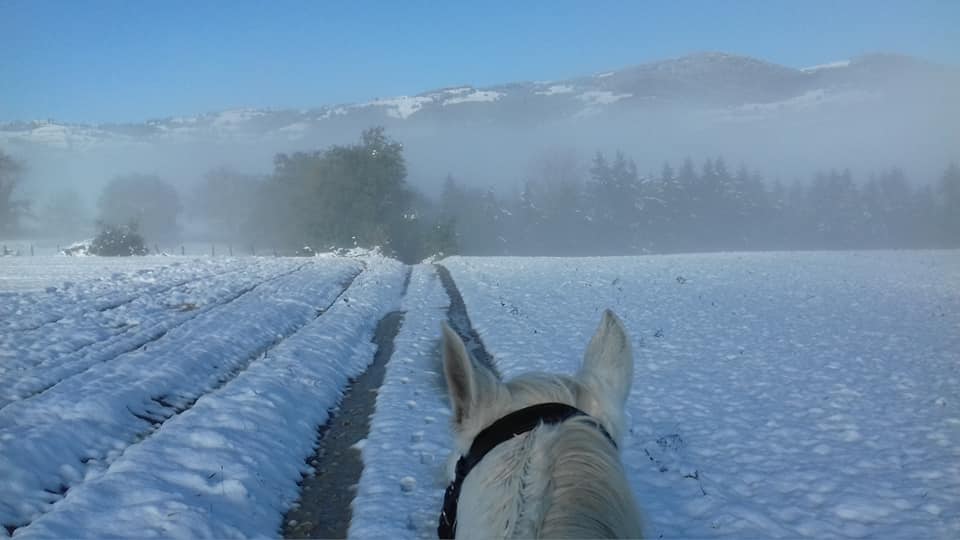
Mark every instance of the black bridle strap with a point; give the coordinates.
(504, 429)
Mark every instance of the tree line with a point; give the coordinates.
(357, 195)
(612, 209)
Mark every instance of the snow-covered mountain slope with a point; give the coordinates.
(711, 80)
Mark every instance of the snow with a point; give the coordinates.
(605, 75)
(601, 97)
(830, 65)
(478, 96)
(331, 112)
(67, 331)
(295, 131)
(801, 103)
(401, 107)
(229, 465)
(62, 136)
(556, 89)
(401, 488)
(184, 120)
(37, 273)
(775, 394)
(232, 117)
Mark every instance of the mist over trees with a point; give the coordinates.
(64, 210)
(612, 210)
(358, 195)
(342, 197)
(12, 210)
(223, 201)
(148, 202)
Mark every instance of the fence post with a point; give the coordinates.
(183, 251)
(230, 249)
(213, 250)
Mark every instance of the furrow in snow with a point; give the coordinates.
(149, 319)
(51, 442)
(32, 310)
(229, 466)
(95, 315)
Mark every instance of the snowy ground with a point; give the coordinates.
(43, 271)
(775, 395)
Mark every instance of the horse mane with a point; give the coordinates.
(560, 479)
(557, 481)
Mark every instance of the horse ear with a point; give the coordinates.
(459, 372)
(608, 363)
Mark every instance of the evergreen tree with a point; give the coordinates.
(949, 192)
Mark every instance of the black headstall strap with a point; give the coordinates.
(504, 429)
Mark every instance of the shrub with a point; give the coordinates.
(118, 241)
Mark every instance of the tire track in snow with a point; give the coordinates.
(405, 456)
(323, 509)
(459, 320)
(56, 370)
(29, 453)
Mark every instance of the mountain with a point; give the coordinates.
(693, 105)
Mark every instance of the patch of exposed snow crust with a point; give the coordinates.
(829, 65)
(460, 90)
(601, 97)
(233, 117)
(402, 107)
(477, 96)
(556, 89)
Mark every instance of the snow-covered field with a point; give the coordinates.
(775, 395)
(43, 271)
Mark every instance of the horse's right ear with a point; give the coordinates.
(460, 374)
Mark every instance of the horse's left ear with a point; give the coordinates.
(467, 383)
(608, 363)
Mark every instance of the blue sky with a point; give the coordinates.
(116, 61)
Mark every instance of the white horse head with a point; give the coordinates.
(539, 453)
